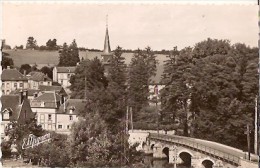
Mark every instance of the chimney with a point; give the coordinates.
(24, 72)
(61, 99)
(25, 94)
(64, 104)
(21, 97)
(35, 94)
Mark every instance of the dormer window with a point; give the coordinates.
(42, 104)
(7, 114)
(72, 109)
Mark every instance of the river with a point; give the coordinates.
(160, 163)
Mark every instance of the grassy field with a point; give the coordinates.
(52, 58)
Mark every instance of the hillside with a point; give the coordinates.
(51, 58)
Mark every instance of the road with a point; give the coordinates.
(210, 145)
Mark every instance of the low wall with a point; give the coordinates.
(247, 164)
(140, 136)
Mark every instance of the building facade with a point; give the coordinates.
(12, 80)
(45, 107)
(62, 75)
(36, 79)
(68, 114)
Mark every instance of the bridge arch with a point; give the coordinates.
(207, 162)
(185, 157)
(186, 151)
(166, 150)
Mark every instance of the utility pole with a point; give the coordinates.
(126, 124)
(157, 117)
(85, 89)
(131, 118)
(256, 128)
(248, 140)
(258, 78)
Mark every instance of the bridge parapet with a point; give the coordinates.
(210, 151)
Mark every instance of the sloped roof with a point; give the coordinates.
(11, 102)
(78, 104)
(57, 89)
(12, 75)
(38, 76)
(50, 99)
(66, 69)
(30, 91)
(48, 96)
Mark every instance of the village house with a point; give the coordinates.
(15, 108)
(46, 106)
(36, 79)
(68, 114)
(62, 75)
(12, 80)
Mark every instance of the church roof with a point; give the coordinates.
(107, 49)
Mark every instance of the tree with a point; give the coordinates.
(88, 76)
(93, 145)
(176, 94)
(51, 44)
(117, 85)
(48, 71)
(17, 132)
(69, 55)
(221, 90)
(31, 43)
(25, 68)
(19, 47)
(5, 46)
(7, 62)
(141, 69)
(56, 153)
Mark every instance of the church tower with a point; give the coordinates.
(106, 54)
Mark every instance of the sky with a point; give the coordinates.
(131, 26)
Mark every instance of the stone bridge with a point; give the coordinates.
(195, 153)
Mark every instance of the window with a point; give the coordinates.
(15, 85)
(6, 115)
(68, 127)
(61, 81)
(3, 84)
(71, 117)
(49, 117)
(68, 76)
(21, 84)
(48, 83)
(59, 126)
(7, 92)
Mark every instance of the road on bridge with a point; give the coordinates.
(211, 145)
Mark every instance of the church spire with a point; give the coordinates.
(107, 49)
